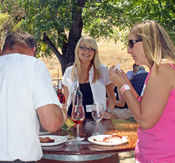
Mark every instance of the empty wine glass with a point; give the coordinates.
(97, 114)
(78, 116)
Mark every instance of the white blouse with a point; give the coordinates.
(98, 88)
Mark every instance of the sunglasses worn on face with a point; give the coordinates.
(132, 42)
(85, 48)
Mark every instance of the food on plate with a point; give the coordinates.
(111, 139)
(46, 140)
(68, 124)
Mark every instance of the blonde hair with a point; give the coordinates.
(157, 45)
(89, 41)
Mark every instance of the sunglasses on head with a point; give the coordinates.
(132, 42)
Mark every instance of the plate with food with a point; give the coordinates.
(50, 140)
(107, 139)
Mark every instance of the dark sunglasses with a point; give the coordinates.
(132, 42)
(85, 48)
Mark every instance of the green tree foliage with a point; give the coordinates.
(57, 24)
(121, 15)
(4, 19)
(162, 11)
(10, 18)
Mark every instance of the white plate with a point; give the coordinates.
(101, 137)
(58, 140)
(44, 133)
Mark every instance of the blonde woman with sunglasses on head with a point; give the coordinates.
(93, 78)
(154, 110)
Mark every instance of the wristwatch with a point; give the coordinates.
(108, 111)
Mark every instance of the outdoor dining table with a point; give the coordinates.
(85, 151)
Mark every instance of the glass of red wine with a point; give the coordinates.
(78, 116)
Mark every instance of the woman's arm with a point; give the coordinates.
(121, 101)
(129, 83)
(150, 109)
(66, 93)
(111, 100)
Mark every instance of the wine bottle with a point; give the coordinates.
(78, 114)
(78, 97)
(59, 92)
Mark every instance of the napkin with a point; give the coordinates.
(118, 67)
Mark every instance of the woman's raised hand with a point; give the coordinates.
(117, 77)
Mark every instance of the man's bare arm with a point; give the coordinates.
(52, 117)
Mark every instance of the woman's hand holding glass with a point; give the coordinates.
(107, 115)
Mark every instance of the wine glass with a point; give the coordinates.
(97, 114)
(78, 116)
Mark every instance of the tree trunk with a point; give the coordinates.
(55, 51)
(68, 50)
(75, 32)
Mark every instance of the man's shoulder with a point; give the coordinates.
(140, 77)
(18, 56)
(30, 58)
(129, 74)
(31, 61)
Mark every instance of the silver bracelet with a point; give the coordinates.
(108, 111)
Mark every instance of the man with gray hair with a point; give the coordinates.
(139, 68)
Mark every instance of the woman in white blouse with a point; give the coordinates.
(93, 78)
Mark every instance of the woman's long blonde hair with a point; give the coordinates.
(89, 41)
(157, 45)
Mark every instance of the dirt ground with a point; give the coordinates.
(127, 157)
